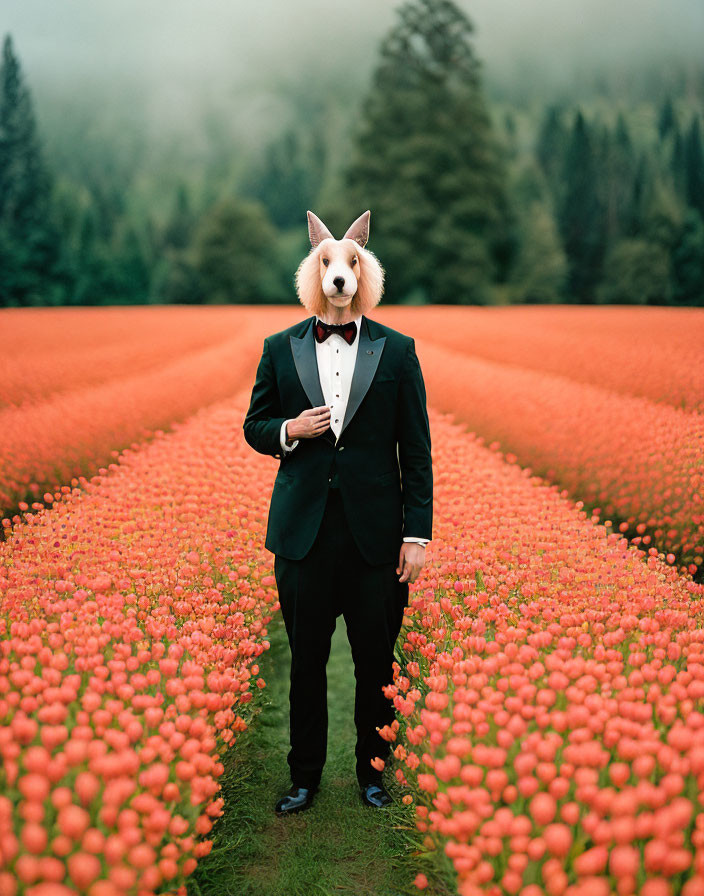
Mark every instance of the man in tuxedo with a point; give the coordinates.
(340, 400)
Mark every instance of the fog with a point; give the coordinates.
(173, 59)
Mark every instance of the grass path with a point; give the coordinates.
(339, 846)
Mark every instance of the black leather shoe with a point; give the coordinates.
(375, 795)
(297, 799)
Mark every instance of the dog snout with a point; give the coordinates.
(339, 283)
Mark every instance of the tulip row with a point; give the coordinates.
(549, 693)
(44, 351)
(132, 614)
(648, 352)
(638, 462)
(72, 434)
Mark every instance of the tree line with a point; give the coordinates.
(567, 205)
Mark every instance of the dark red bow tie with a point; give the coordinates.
(347, 331)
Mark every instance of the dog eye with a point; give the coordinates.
(326, 262)
(354, 260)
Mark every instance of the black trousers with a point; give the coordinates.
(334, 579)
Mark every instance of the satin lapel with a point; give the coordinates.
(304, 357)
(368, 356)
(303, 350)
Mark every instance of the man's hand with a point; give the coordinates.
(410, 560)
(308, 424)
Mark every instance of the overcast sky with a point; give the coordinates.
(215, 51)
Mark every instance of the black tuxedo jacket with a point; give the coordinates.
(382, 457)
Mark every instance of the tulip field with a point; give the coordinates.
(549, 682)
(133, 613)
(78, 413)
(550, 699)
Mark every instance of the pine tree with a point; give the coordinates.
(427, 163)
(179, 228)
(667, 121)
(688, 262)
(550, 149)
(694, 167)
(540, 270)
(541, 267)
(581, 215)
(638, 195)
(617, 172)
(288, 175)
(29, 244)
(678, 166)
(175, 279)
(233, 253)
(636, 272)
(662, 214)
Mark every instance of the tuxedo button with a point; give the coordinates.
(342, 448)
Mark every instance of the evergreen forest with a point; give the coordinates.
(478, 196)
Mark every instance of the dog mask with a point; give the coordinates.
(339, 273)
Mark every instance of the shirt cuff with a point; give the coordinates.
(422, 541)
(282, 438)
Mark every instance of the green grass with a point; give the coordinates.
(338, 846)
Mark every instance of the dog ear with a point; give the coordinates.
(359, 230)
(308, 285)
(317, 231)
(370, 282)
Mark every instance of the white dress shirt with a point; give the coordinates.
(336, 360)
